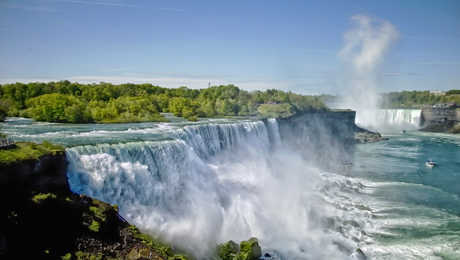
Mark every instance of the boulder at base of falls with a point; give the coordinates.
(247, 250)
(365, 136)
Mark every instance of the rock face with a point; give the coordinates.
(441, 118)
(47, 174)
(326, 126)
(40, 218)
(365, 136)
(329, 135)
(320, 125)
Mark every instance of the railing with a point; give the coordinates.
(122, 219)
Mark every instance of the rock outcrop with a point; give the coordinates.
(247, 250)
(363, 136)
(40, 218)
(329, 125)
(441, 118)
(45, 174)
(329, 135)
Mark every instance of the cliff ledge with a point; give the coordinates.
(441, 118)
(40, 218)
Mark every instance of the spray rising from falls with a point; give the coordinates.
(365, 46)
(216, 182)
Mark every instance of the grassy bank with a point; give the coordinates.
(28, 151)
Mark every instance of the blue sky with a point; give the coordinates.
(291, 45)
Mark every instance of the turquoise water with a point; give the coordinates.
(69, 135)
(385, 201)
(416, 209)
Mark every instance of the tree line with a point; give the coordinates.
(418, 99)
(71, 102)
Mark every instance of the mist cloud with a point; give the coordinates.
(365, 46)
(367, 42)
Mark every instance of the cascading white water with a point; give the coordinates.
(213, 183)
(389, 119)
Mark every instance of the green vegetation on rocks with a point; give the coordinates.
(162, 248)
(228, 251)
(39, 213)
(43, 196)
(276, 110)
(70, 226)
(94, 226)
(247, 250)
(3, 110)
(69, 102)
(28, 151)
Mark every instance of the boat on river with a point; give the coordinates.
(430, 164)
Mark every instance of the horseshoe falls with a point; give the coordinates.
(291, 183)
(389, 119)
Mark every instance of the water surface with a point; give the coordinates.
(224, 179)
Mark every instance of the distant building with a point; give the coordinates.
(446, 105)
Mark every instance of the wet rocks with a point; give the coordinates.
(364, 136)
(247, 250)
(444, 118)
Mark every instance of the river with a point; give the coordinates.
(198, 184)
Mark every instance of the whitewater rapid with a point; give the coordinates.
(216, 182)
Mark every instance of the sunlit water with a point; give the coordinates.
(198, 184)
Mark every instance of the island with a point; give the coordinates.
(71, 102)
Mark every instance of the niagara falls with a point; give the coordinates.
(205, 130)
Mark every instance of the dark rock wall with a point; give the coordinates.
(318, 126)
(40, 218)
(321, 137)
(440, 119)
(47, 174)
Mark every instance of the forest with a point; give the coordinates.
(418, 99)
(71, 102)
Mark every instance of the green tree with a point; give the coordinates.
(56, 108)
(3, 110)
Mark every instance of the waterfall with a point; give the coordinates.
(389, 119)
(210, 183)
